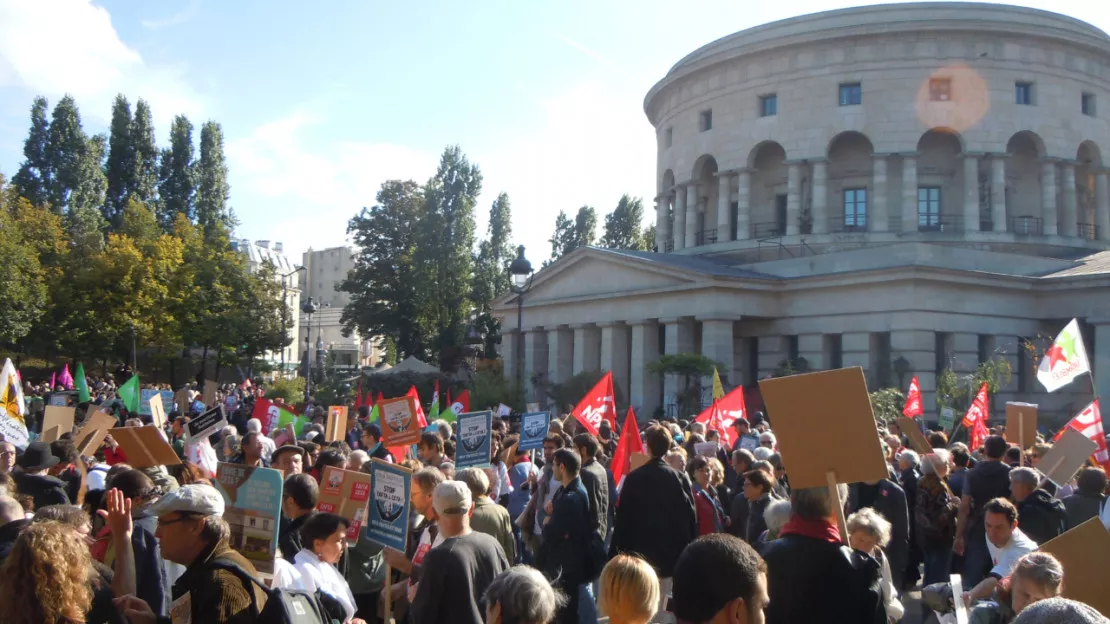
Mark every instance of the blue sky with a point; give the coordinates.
(321, 102)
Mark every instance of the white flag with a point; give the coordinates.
(12, 408)
(1065, 360)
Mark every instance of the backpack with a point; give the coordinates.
(283, 606)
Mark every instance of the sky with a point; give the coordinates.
(322, 102)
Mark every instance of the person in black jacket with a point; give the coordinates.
(655, 514)
(1042, 516)
(889, 500)
(812, 576)
(299, 496)
(12, 522)
(1088, 498)
(595, 480)
(909, 465)
(152, 582)
(372, 442)
(566, 533)
(34, 481)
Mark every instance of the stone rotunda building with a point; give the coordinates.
(905, 187)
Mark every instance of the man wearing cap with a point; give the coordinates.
(457, 572)
(193, 533)
(289, 459)
(35, 481)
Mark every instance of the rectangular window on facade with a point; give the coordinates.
(668, 137)
(986, 347)
(1023, 93)
(851, 94)
(753, 360)
(834, 351)
(941, 340)
(855, 209)
(928, 208)
(792, 347)
(1087, 104)
(1024, 365)
(940, 89)
(768, 105)
(705, 120)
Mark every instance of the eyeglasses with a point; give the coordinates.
(176, 520)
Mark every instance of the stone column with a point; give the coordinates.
(820, 208)
(743, 204)
(1101, 358)
(965, 352)
(793, 197)
(679, 217)
(614, 353)
(1071, 209)
(691, 214)
(679, 339)
(717, 343)
(1048, 197)
(662, 223)
(724, 207)
(560, 354)
(998, 192)
(971, 193)
(879, 219)
(812, 348)
(856, 351)
(644, 386)
(535, 358)
(909, 193)
(587, 356)
(772, 351)
(510, 350)
(1102, 205)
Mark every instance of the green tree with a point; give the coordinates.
(35, 175)
(561, 238)
(85, 219)
(389, 293)
(211, 178)
(623, 229)
(491, 269)
(145, 150)
(177, 179)
(66, 149)
(691, 368)
(570, 235)
(648, 238)
(887, 404)
(23, 286)
(585, 228)
(121, 169)
(958, 391)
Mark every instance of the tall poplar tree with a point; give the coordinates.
(211, 178)
(623, 229)
(121, 169)
(145, 149)
(491, 268)
(35, 175)
(177, 183)
(65, 147)
(85, 220)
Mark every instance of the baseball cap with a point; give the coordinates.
(451, 498)
(196, 498)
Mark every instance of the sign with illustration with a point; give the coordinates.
(252, 500)
(533, 429)
(148, 393)
(473, 449)
(345, 493)
(399, 423)
(389, 504)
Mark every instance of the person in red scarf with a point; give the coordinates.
(812, 576)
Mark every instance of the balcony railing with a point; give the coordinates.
(940, 223)
(1027, 226)
(840, 225)
(772, 229)
(706, 237)
(1088, 231)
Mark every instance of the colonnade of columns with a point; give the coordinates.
(677, 208)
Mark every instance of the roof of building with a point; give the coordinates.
(700, 264)
(1094, 264)
(259, 254)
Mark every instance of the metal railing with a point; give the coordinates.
(706, 237)
(770, 229)
(941, 223)
(1026, 226)
(842, 225)
(1088, 231)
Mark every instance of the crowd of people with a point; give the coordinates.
(692, 535)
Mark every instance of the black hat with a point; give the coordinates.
(37, 457)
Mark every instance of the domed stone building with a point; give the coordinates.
(904, 187)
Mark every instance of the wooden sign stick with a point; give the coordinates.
(388, 591)
(1044, 475)
(1021, 438)
(958, 598)
(838, 505)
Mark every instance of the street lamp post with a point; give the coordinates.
(521, 272)
(309, 308)
(285, 311)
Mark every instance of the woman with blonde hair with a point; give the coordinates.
(628, 591)
(869, 532)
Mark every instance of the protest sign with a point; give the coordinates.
(337, 423)
(533, 429)
(473, 450)
(145, 447)
(206, 424)
(92, 431)
(51, 434)
(504, 410)
(145, 396)
(61, 417)
(947, 419)
(252, 508)
(389, 507)
(706, 449)
(60, 399)
(1067, 456)
(275, 417)
(1083, 552)
(635, 460)
(398, 420)
(345, 492)
(181, 400)
(913, 433)
(1021, 424)
(157, 411)
(208, 393)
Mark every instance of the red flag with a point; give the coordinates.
(599, 403)
(978, 410)
(978, 434)
(628, 444)
(462, 403)
(1089, 423)
(913, 406)
(358, 394)
(420, 418)
(720, 415)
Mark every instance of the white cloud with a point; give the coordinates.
(54, 47)
(184, 15)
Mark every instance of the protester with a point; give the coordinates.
(12, 521)
(1036, 576)
(887, 498)
(66, 468)
(252, 451)
(869, 532)
(289, 459)
(489, 517)
(961, 461)
(255, 426)
(989, 480)
(34, 480)
(425, 536)
(1058, 611)
(521, 595)
(324, 536)
(543, 487)
(1043, 517)
(457, 573)
(7, 456)
(431, 451)
(500, 486)
(742, 461)
(776, 516)
(655, 515)
(522, 473)
(566, 534)
(757, 491)
(812, 577)
(372, 442)
(1088, 497)
(153, 585)
(935, 517)
(1006, 543)
(298, 503)
(357, 460)
(719, 578)
(628, 591)
(595, 481)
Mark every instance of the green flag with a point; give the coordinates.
(82, 384)
(287, 417)
(448, 414)
(373, 417)
(129, 394)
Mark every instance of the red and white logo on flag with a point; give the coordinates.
(913, 400)
(1089, 423)
(598, 404)
(978, 411)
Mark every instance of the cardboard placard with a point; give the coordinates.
(145, 447)
(706, 449)
(391, 486)
(346, 493)
(533, 429)
(91, 433)
(1083, 552)
(336, 428)
(635, 460)
(60, 399)
(181, 400)
(61, 417)
(51, 434)
(1067, 456)
(947, 418)
(252, 508)
(475, 431)
(398, 421)
(206, 424)
(208, 393)
(157, 411)
(917, 439)
(1021, 424)
(824, 423)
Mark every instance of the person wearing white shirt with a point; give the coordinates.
(1006, 544)
(325, 538)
